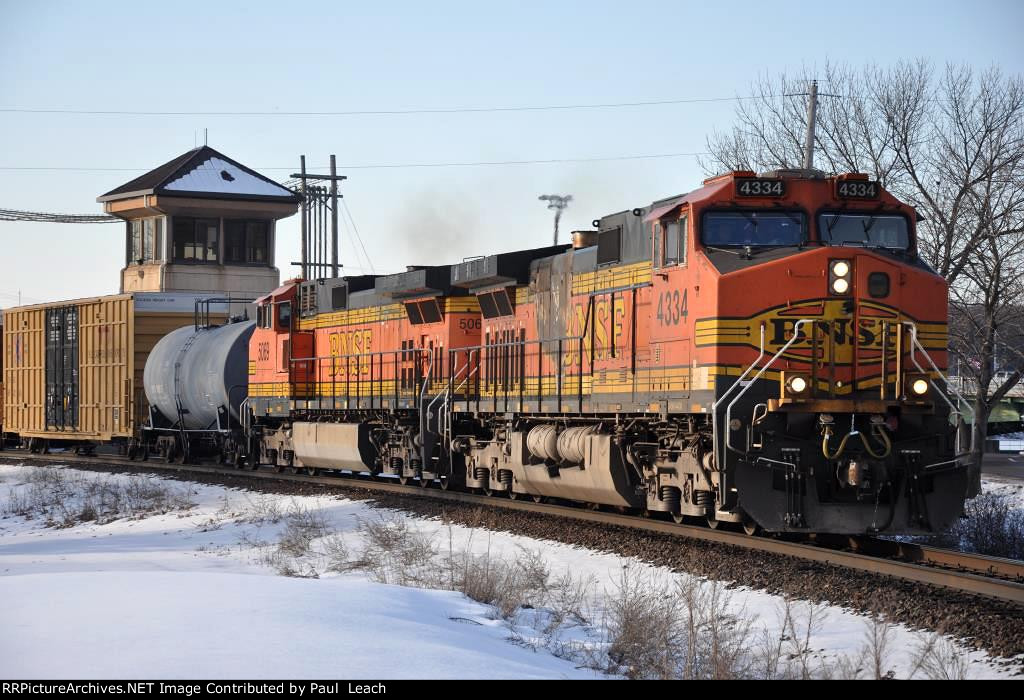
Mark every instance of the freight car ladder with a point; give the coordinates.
(179, 410)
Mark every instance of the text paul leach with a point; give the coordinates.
(193, 689)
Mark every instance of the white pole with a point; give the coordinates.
(812, 114)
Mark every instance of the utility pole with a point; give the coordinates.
(334, 217)
(303, 217)
(812, 115)
(313, 228)
(558, 203)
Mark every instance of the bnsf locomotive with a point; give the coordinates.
(765, 350)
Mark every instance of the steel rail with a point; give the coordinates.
(988, 566)
(993, 577)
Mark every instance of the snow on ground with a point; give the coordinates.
(193, 623)
(1012, 490)
(194, 590)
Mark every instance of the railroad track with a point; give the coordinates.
(976, 574)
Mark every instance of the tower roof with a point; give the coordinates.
(205, 173)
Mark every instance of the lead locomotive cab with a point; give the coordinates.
(840, 419)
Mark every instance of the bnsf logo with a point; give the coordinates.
(350, 343)
(834, 330)
(608, 323)
(869, 332)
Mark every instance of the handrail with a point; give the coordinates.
(746, 388)
(922, 370)
(347, 364)
(201, 312)
(517, 343)
(445, 391)
(953, 409)
(445, 418)
(465, 382)
(243, 415)
(719, 465)
(454, 376)
(358, 354)
(419, 408)
(540, 342)
(714, 406)
(726, 443)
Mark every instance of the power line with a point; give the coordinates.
(20, 298)
(371, 166)
(522, 162)
(376, 112)
(48, 217)
(362, 265)
(356, 230)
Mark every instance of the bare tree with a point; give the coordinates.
(986, 305)
(951, 143)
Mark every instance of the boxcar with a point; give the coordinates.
(72, 370)
(2, 437)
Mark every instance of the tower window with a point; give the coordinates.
(246, 242)
(196, 240)
(145, 238)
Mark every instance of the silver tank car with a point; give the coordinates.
(203, 370)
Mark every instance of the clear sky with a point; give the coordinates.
(346, 56)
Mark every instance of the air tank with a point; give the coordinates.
(202, 370)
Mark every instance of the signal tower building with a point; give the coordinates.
(201, 224)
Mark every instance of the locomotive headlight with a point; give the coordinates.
(795, 386)
(839, 272)
(916, 386)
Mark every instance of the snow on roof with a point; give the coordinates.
(203, 172)
(218, 175)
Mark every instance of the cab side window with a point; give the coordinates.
(284, 316)
(675, 242)
(672, 243)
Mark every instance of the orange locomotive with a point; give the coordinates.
(766, 350)
(720, 355)
(339, 369)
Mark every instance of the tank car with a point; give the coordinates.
(196, 379)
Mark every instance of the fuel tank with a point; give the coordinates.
(203, 370)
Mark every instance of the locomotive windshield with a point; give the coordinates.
(869, 230)
(753, 228)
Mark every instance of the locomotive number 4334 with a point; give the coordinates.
(672, 307)
(856, 189)
(760, 187)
